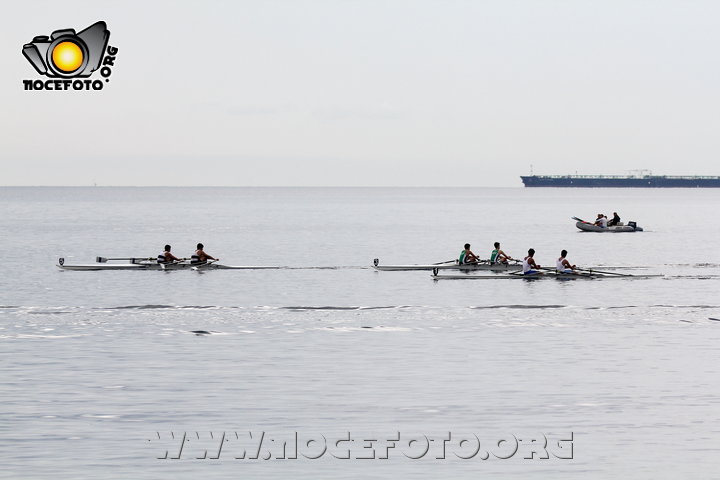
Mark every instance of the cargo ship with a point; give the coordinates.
(621, 181)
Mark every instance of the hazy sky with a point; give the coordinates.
(344, 92)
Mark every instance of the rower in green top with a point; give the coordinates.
(467, 256)
(498, 256)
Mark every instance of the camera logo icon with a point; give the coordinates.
(67, 54)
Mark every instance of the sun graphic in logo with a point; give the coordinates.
(67, 56)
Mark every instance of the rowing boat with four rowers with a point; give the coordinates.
(564, 270)
(589, 274)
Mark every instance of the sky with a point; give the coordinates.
(367, 93)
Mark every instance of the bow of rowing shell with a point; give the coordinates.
(485, 265)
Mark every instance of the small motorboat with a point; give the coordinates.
(620, 227)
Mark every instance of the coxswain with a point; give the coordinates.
(498, 256)
(166, 256)
(200, 256)
(562, 265)
(466, 256)
(529, 265)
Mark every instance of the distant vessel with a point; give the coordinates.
(645, 179)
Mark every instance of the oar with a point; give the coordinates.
(441, 263)
(530, 276)
(104, 260)
(521, 274)
(503, 263)
(163, 266)
(590, 270)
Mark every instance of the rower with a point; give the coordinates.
(166, 256)
(529, 265)
(601, 221)
(562, 265)
(614, 221)
(498, 256)
(200, 256)
(467, 257)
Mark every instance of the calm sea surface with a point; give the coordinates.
(98, 368)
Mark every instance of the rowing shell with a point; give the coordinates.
(100, 266)
(146, 265)
(558, 276)
(487, 266)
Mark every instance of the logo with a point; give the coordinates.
(68, 56)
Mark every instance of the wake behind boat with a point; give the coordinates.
(145, 263)
(450, 265)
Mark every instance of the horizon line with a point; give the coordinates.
(258, 186)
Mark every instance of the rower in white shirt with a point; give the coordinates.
(562, 265)
(529, 266)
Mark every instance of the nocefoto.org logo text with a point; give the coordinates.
(68, 57)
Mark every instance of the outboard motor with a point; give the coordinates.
(635, 227)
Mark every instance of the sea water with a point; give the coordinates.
(146, 374)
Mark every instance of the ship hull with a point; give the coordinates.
(648, 181)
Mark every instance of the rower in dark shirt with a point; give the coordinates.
(166, 256)
(200, 256)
